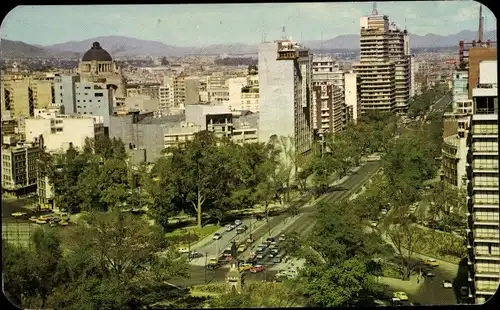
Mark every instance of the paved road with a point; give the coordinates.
(432, 291)
(302, 224)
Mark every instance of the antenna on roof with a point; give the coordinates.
(283, 33)
(405, 23)
(374, 10)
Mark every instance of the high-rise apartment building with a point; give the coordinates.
(285, 89)
(250, 92)
(376, 71)
(399, 54)
(476, 55)
(166, 94)
(482, 186)
(328, 104)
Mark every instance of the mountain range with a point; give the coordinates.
(120, 46)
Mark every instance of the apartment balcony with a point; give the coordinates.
(485, 168)
(482, 237)
(490, 273)
(485, 256)
(485, 203)
(485, 185)
(485, 220)
(481, 150)
(485, 133)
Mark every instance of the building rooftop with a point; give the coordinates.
(97, 53)
(164, 120)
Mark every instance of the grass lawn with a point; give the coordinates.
(194, 234)
(436, 243)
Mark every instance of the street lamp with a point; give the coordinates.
(189, 246)
(206, 266)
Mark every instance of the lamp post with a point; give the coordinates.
(206, 266)
(189, 246)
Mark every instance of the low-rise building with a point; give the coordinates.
(61, 131)
(246, 127)
(19, 167)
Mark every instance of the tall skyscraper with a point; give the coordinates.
(285, 93)
(482, 186)
(384, 65)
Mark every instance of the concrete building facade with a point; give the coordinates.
(482, 186)
(61, 131)
(20, 96)
(477, 55)
(375, 69)
(399, 54)
(84, 98)
(285, 89)
(19, 167)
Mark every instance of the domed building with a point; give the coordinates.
(98, 66)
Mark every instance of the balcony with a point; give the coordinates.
(485, 168)
(481, 273)
(485, 220)
(485, 133)
(485, 256)
(482, 185)
(485, 203)
(485, 237)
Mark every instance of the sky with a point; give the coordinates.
(207, 24)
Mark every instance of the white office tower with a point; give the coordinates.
(285, 81)
(399, 54)
(482, 187)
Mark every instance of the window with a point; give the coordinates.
(98, 95)
(86, 94)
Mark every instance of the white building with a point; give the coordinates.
(62, 130)
(351, 94)
(482, 187)
(285, 89)
(166, 94)
(234, 86)
(93, 99)
(250, 97)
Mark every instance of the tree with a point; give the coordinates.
(342, 153)
(199, 174)
(322, 169)
(286, 159)
(347, 284)
(407, 240)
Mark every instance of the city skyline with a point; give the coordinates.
(203, 25)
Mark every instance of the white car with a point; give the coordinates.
(183, 250)
(238, 222)
(447, 284)
(229, 227)
(282, 237)
(217, 236)
(383, 211)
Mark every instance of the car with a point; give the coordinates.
(217, 236)
(241, 229)
(261, 255)
(373, 223)
(242, 248)
(430, 274)
(229, 227)
(63, 223)
(245, 267)
(195, 255)
(396, 301)
(40, 221)
(250, 240)
(431, 262)
(33, 219)
(447, 284)
(53, 224)
(400, 295)
(277, 259)
(282, 237)
(184, 250)
(383, 211)
(273, 253)
(270, 240)
(273, 246)
(213, 263)
(257, 268)
(238, 223)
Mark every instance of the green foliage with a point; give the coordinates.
(109, 261)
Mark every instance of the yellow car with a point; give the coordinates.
(245, 267)
(400, 295)
(242, 248)
(431, 262)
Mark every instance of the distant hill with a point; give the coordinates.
(120, 46)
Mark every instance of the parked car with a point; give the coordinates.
(383, 211)
(277, 259)
(431, 262)
(262, 254)
(273, 253)
(257, 268)
(33, 219)
(229, 227)
(430, 274)
(217, 236)
(447, 284)
(63, 223)
(400, 295)
(282, 237)
(373, 223)
(269, 240)
(40, 221)
(238, 223)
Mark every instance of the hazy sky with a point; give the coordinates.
(200, 25)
